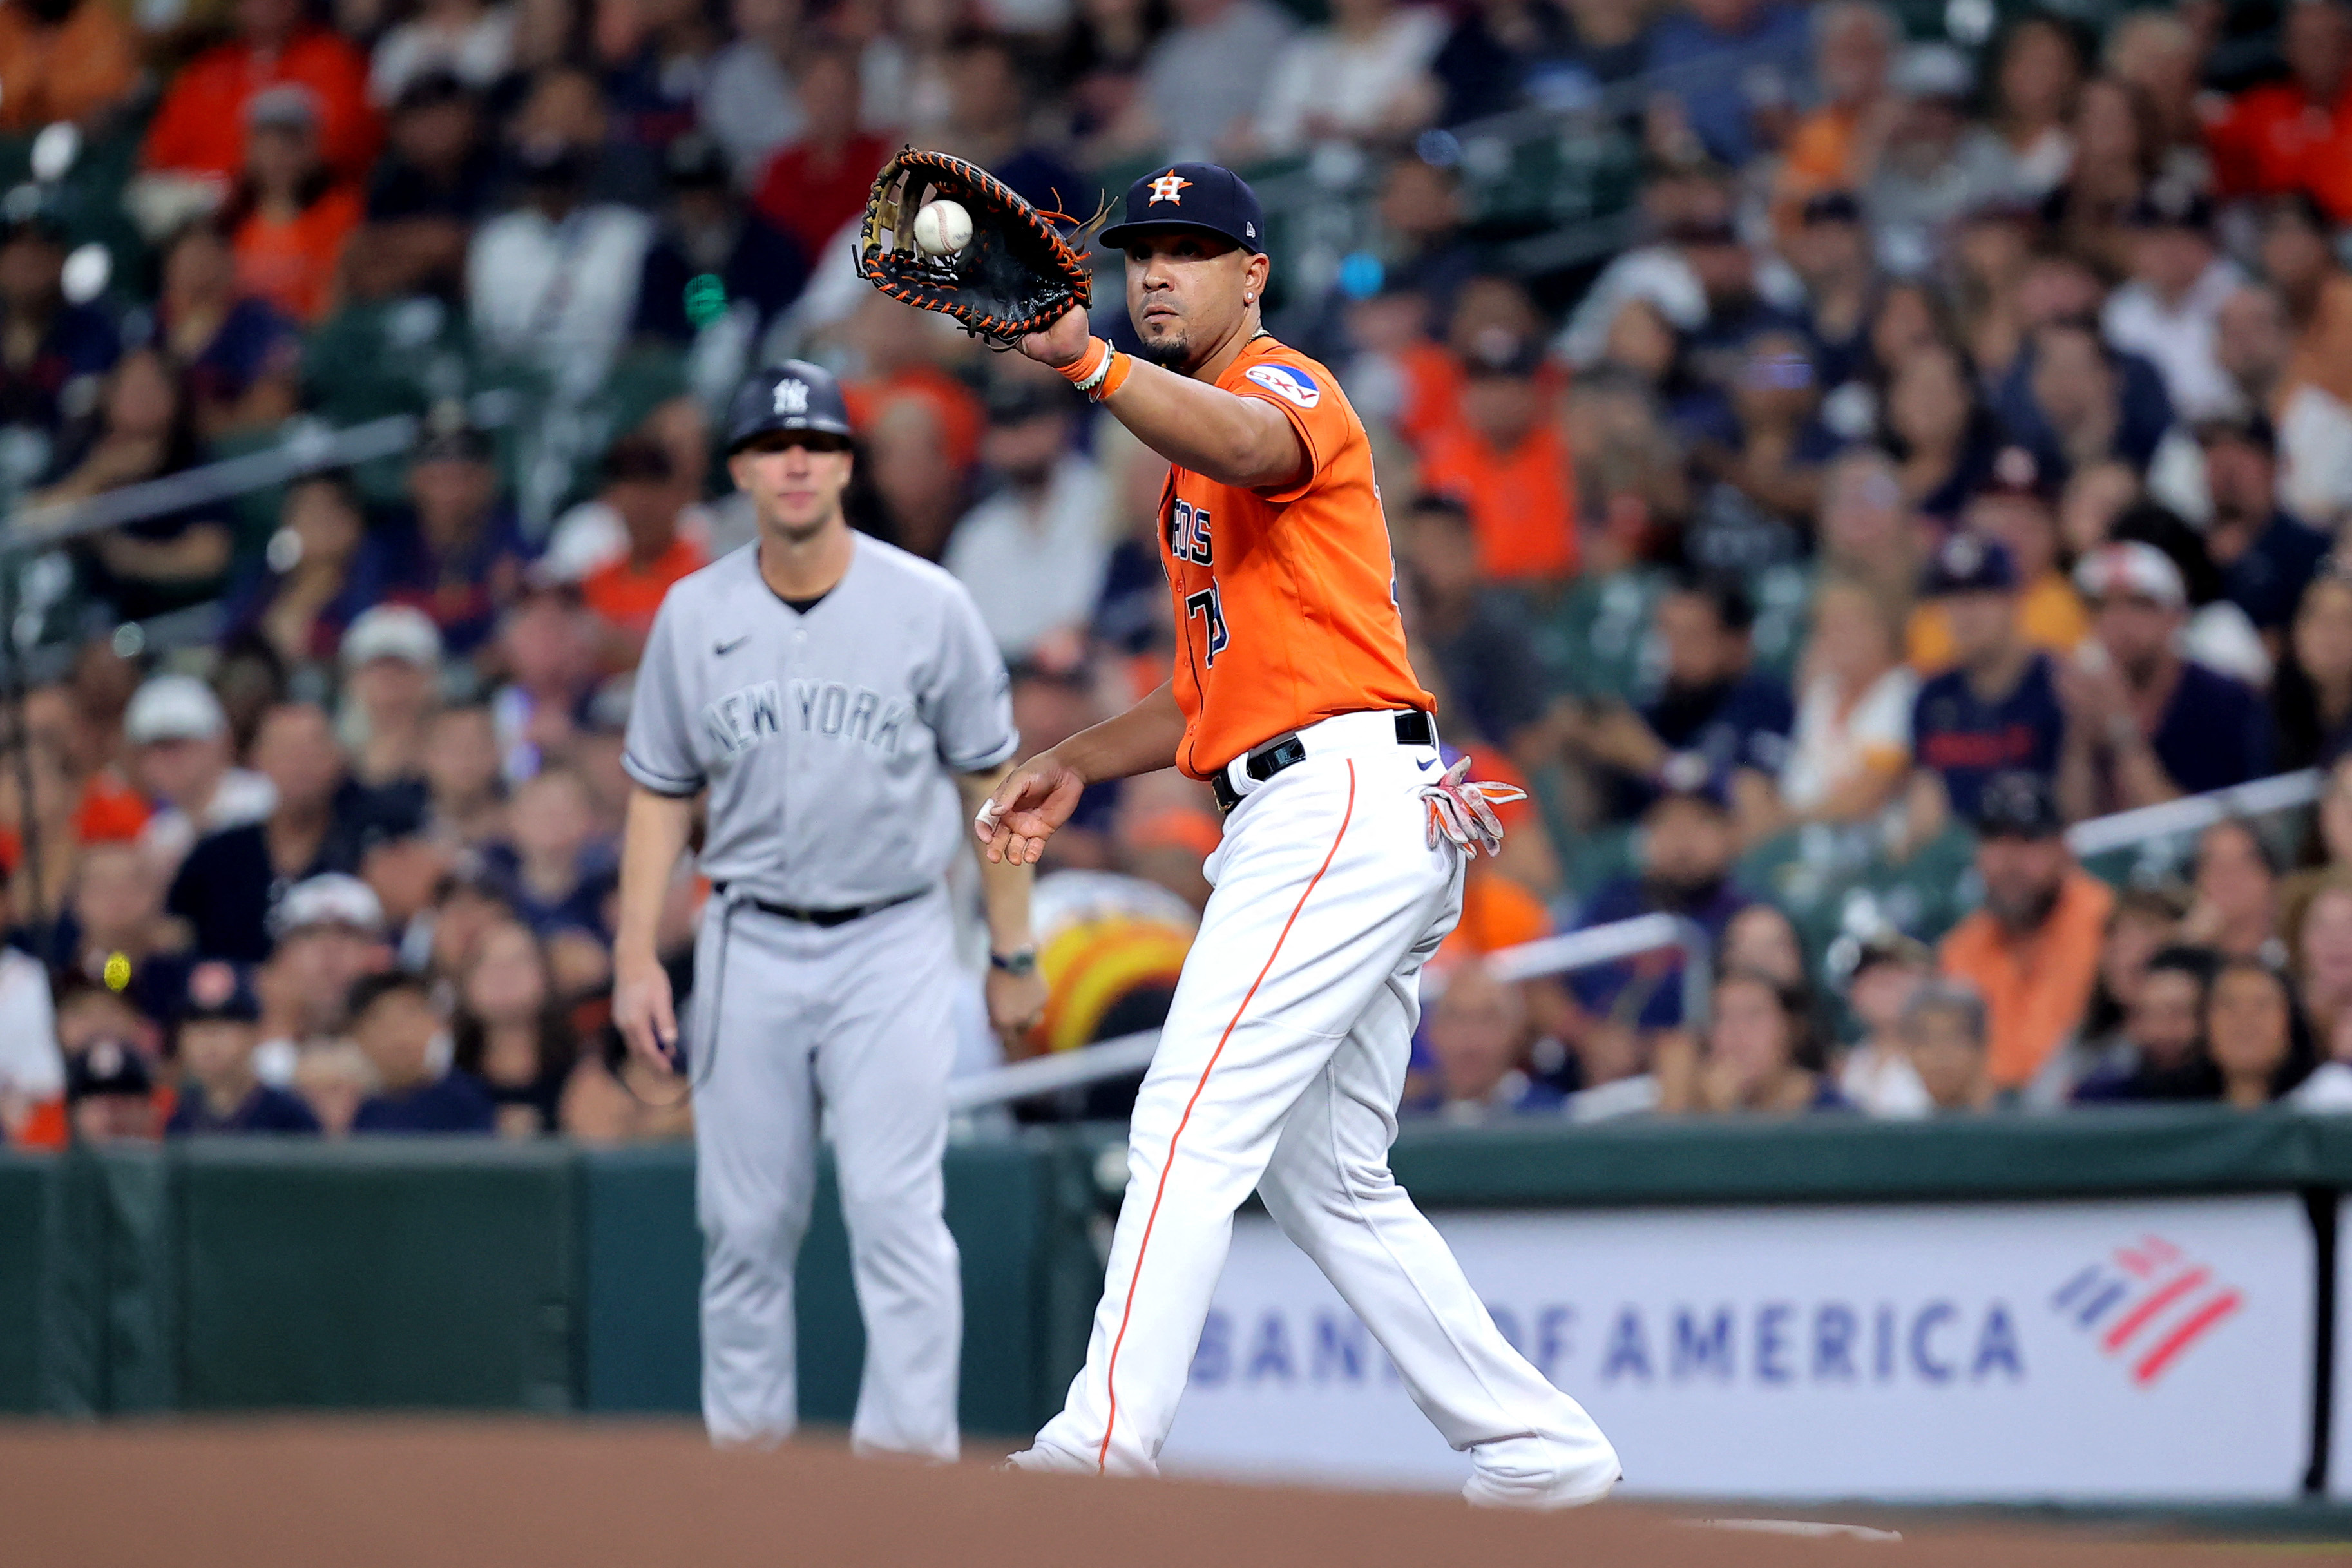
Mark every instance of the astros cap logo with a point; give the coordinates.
(1165, 186)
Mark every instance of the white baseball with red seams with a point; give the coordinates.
(1279, 1068)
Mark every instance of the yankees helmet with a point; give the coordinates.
(793, 396)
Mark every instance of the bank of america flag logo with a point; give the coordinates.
(2146, 1305)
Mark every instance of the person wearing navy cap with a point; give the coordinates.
(217, 1023)
(1997, 709)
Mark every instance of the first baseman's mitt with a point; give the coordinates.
(1016, 276)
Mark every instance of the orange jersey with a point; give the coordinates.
(1284, 599)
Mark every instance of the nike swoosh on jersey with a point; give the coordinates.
(1425, 767)
(727, 648)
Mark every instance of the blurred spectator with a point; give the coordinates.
(613, 1098)
(2178, 279)
(392, 1017)
(1763, 939)
(1500, 53)
(114, 933)
(2298, 259)
(2158, 1055)
(1771, 451)
(2282, 136)
(1761, 1055)
(2038, 69)
(749, 102)
(2013, 511)
(52, 350)
(2032, 951)
(111, 1095)
(334, 1079)
(1101, 67)
(1833, 148)
(2311, 699)
(432, 184)
(1033, 553)
(467, 40)
(2075, 403)
(1738, 69)
(1945, 1027)
(2160, 58)
(299, 597)
(391, 673)
(404, 865)
(230, 882)
(817, 183)
(330, 932)
(659, 51)
(1506, 461)
(1929, 170)
(2118, 150)
(1938, 429)
(2145, 723)
(649, 496)
(509, 1035)
(1477, 1037)
(218, 1023)
(32, 1072)
(707, 229)
(1488, 666)
(546, 645)
(2254, 345)
(244, 357)
(552, 281)
(199, 129)
(2252, 1034)
(2267, 557)
(64, 60)
(989, 114)
(144, 428)
(289, 214)
(1686, 848)
(1362, 78)
(556, 877)
(1851, 747)
(180, 755)
(1877, 1077)
(916, 498)
(2145, 920)
(464, 794)
(2236, 908)
(1206, 77)
(458, 554)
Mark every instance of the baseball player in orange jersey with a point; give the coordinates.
(1283, 1054)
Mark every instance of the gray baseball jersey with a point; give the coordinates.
(826, 738)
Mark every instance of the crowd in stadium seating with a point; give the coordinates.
(1955, 453)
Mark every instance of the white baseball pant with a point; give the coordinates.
(853, 1023)
(1280, 1068)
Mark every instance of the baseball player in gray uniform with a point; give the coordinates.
(830, 696)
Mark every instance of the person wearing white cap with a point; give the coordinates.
(2145, 723)
(330, 932)
(391, 673)
(180, 758)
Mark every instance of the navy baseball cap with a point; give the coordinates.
(2017, 805)
(1203, 198)
(217, 990)
(793, 396)
(1969, 564)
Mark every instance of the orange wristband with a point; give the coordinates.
(1116, 376)
(1087, 369)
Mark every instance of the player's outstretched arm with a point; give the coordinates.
(654, 837)
(1016, 996)
(1037, 796)
(1245, 442)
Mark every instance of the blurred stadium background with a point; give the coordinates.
(1812, 435)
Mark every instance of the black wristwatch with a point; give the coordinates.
(1022, 962)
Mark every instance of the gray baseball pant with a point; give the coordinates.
(850, 1024)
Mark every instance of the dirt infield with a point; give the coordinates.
(543, 1494)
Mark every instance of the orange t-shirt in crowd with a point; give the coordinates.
(962, 418)
(69, 72)
(2034, 989)
(1284, 598)
(290, 262)
(200, 127)
(1522, 502)
(627, 594)
(2274, 140)
(2050, 615)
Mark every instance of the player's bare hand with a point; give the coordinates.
(1062, 342)
(1016, 1004)
(1030, 802)
(643, 1011)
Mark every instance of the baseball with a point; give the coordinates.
(943, 228)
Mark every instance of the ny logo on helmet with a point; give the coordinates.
(792, 397)
(1164, 188)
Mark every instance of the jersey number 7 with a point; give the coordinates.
(1211, 608)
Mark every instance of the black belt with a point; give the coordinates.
(1413, 728)
(827, 919)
